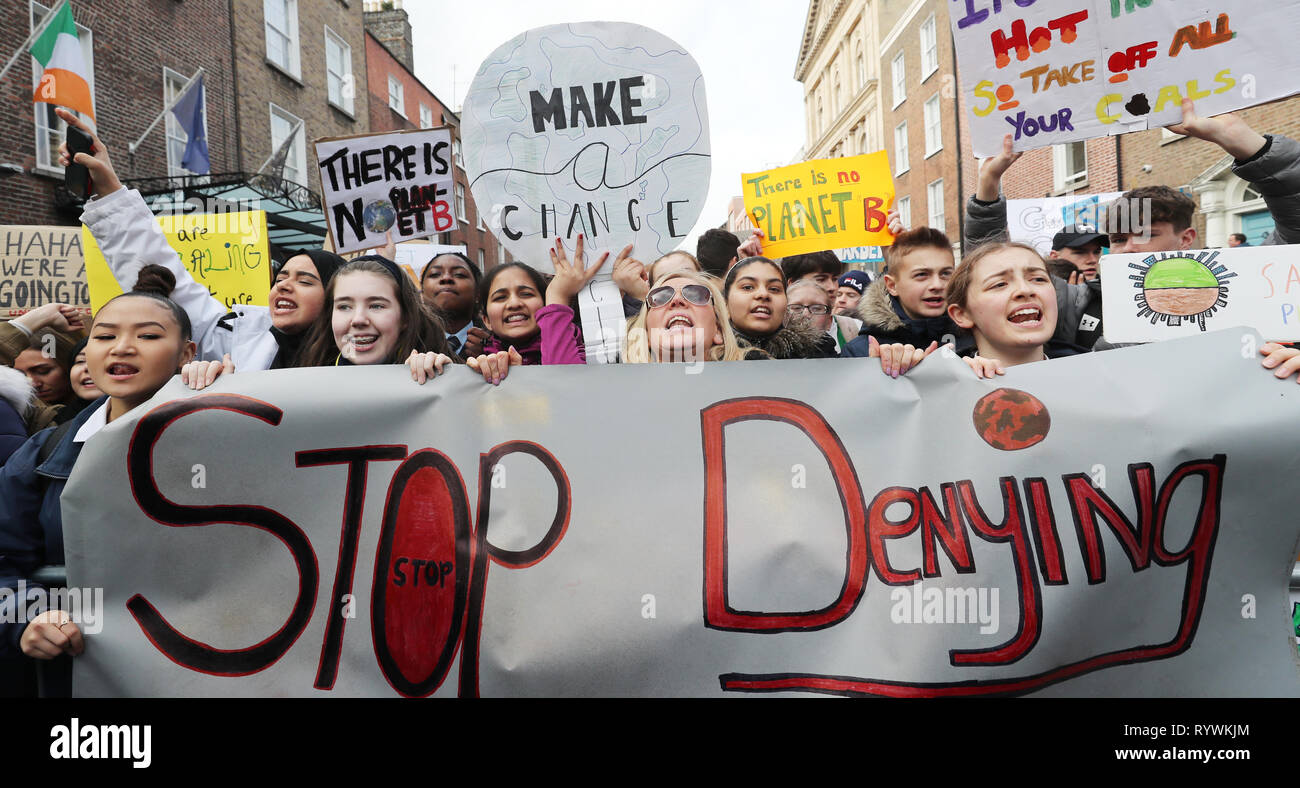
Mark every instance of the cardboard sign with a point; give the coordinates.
(1037, 221)
(38, 266)
(1148, 297)
(1054, 72)
(226, 252)
(373, 184)
(592, 128)
(1085, 526)
(821, 204)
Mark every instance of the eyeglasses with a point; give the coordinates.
(813, 309)
(698, 295)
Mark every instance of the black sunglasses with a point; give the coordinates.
(695, 294)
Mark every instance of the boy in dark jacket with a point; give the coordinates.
(906, 305)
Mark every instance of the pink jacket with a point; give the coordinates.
(558, 342)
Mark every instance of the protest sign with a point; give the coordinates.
(38, 266)
(1020, 535)
(821, 204)
(1036, 221)
(225, 252)
(372, 184)
(1151, 296)
(599, 129)
(1053, 72)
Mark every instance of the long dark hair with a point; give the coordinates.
(485, 286)
(422, 330)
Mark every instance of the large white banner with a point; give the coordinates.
(1052, 71)
(1117, 524)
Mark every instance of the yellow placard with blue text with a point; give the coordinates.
(226, 252)
(821, 204)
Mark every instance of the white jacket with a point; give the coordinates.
(130, 238)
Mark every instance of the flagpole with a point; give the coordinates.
(23, 47)
(134, 146)
(292, 133)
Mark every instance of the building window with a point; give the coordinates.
(426, 117)
(836, 97)
(1070, 165)
(933, 126)
(901, 164)
(934, 200)
(480, 259)
(396, 98)
(904, 206)
(821, 117)
(282, 33)
(338, 71)
(177, 139)
(501, 253)
(295, 163)
(479, 214)
(900, 79)
(455, 153)
(929, 49)
(460, 203)
(862, 67)
(50, 128)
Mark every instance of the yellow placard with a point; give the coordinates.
(226, 252)
(821, 204)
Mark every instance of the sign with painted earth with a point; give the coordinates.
(597, 129)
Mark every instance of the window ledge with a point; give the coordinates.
(285, 72)
(899, 103)
(928, 154)
(1071, 189)
(343, 110)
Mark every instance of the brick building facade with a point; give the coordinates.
(919, 115)
(284, 74)
(397, 99)
(129, 70)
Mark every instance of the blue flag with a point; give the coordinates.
(189, 112)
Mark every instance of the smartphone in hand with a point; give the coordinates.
(75, 176)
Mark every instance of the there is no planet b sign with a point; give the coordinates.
(592, 128)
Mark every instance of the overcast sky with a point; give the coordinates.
(746, 51)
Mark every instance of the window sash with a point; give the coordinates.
(901, 157)
(49, 128)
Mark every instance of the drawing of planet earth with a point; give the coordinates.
(1010, 419)
(1180, 286)
(379, 216)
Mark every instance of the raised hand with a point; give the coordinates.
(992, 169)
(62, 317)
(103, 177)
(1229, 132)
(570, 277)
(752, 247)
(630, 274)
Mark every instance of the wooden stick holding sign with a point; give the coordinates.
(372, 184)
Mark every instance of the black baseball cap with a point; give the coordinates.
(1076, 235)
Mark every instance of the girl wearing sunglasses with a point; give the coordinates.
(683, 319)
(756, 302)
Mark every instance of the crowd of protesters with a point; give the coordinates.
(62, 378)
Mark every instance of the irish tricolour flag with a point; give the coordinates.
(59, 50)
